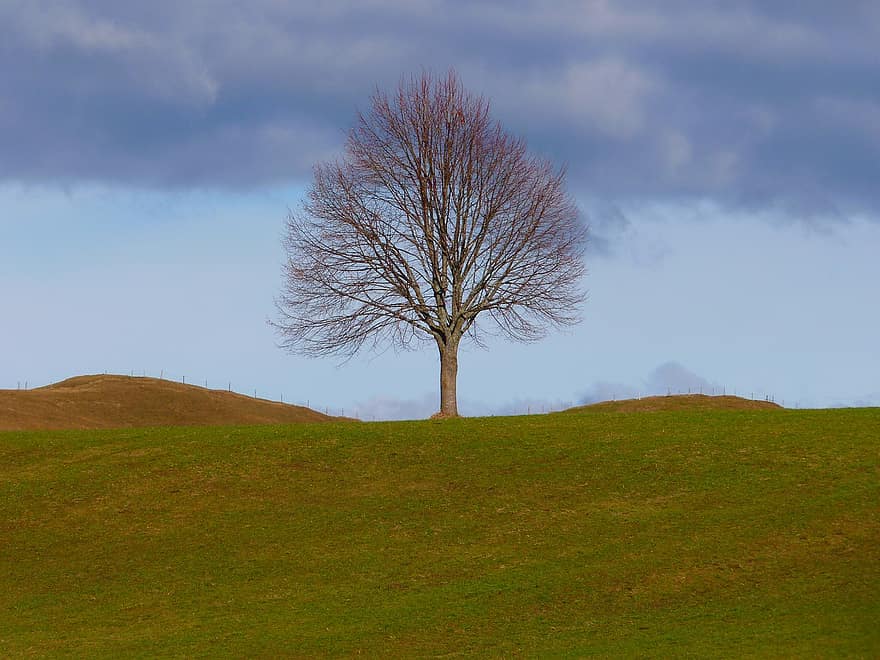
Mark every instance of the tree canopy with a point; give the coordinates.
(435, 225)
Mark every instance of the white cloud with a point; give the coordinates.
(606, 96)
(668, 378)
(388, 408)
(391, 408)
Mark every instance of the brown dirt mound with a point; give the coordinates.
(103, 402)
(678, 402)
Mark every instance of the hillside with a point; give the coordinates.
(682, 534)
(682, 402)
(104, 402)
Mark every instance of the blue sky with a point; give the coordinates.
(726, 161)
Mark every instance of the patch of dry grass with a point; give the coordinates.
(692, 402)
(107, 402)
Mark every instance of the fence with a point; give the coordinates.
(537, 408)
(524, 408)
(204, 383)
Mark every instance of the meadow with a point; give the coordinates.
(682, 532)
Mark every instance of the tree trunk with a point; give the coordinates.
(448, 379)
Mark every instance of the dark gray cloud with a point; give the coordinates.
(759, 104)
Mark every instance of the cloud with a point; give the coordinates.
(609, 228)
(388, 408)
(761, 105)
(606, 97)
(391, 408)
(608, 391)
(612, 235)
(866, 401)
(667, 378)
(672, 377)
(109, 55)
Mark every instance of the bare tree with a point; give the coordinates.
(435, 217)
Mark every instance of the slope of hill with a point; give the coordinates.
(707, 534)
(677, 402)
(103, 402)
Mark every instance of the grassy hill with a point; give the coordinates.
(106, 402)
(673, 533)
(690, 402)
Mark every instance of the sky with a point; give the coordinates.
(726, 159)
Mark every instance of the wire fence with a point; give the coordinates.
(226, 385)
(541, 409)
(517, 408)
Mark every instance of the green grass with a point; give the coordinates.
(652, 534)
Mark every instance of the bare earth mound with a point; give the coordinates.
(678, 402)
(104, 402)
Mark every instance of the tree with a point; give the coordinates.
(434, 218)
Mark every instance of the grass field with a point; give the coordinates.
(651, 534)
